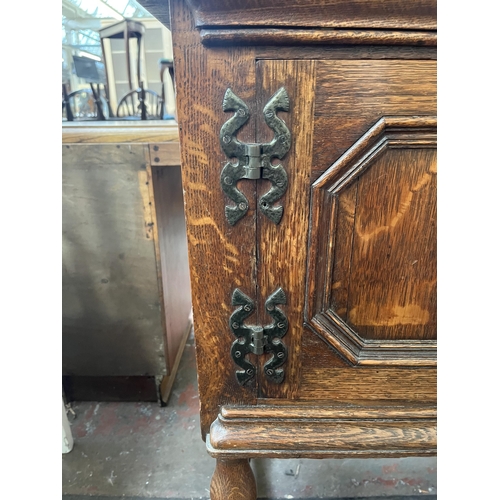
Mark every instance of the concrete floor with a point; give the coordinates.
(138, 451)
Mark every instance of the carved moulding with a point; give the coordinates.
(404, 133)
(293, 430)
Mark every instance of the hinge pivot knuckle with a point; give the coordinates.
(259, 340)
(253, 167)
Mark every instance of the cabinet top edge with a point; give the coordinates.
(347, 14)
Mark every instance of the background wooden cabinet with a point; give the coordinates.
(126, 298)
(355, 249)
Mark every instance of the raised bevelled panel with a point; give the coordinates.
(372, 260)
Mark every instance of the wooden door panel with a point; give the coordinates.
(352, 95)
(359, 210)
(372, 246)
(395, 231)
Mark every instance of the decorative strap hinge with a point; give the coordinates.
(254, 161)
(256, 339)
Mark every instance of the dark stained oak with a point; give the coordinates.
(344, 51)
(374, 383)
(355, 249)
(233, 480)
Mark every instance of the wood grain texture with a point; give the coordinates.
(293, 430)
(233, 480)
(341, 52)
(273, 36)
(352, 96)
(282, 248)
(270, 409)
(392, 287)
(318, 349)
(381, 194)
(374, 383)
(388, 14)
(342, 260)
(119, 132)
(359, 351)
(221, 257)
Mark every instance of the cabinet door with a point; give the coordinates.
(355, 251)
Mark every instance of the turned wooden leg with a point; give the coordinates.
(233, 480)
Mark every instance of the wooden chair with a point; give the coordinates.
(166, 64)
(124, 30)
(84, 104)
(143, 104)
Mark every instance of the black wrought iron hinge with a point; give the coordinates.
(254, 161)
(259, 339)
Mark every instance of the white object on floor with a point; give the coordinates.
(67, 437)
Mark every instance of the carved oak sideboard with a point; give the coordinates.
(308, 149)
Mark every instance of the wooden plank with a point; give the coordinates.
(172, 240)
(165, 154)
(339, 52)
(119, 132)
(162, 284)
(282, 248)
(268, 409)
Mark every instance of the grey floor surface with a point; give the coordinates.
(139, 451)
